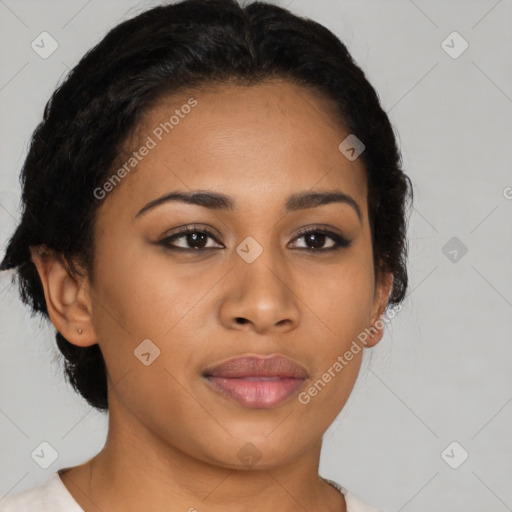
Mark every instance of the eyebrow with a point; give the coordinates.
(216, 201)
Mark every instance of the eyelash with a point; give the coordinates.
(340, 241)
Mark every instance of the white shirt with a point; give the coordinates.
(53, 496)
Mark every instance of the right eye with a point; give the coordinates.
(197, 238)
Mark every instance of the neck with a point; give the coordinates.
(137, 467)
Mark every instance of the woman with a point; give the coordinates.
(214, 222)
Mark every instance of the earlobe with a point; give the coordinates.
(67, 297)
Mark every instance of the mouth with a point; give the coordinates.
(255, 381)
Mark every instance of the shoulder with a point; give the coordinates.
(51, 496)
(354, 504)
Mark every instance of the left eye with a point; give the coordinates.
(197, 240)
(317, 237)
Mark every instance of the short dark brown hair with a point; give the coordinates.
(169, 48)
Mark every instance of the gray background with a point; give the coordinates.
(442, 372)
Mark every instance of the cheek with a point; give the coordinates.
(144, 298)
(343, 301)
(137, 301)
(344, 305)
(141, 298)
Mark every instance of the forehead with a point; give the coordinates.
(266, 140)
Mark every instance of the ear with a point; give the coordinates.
(383, 288)
(67, 297)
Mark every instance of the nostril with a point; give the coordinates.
(240, 320)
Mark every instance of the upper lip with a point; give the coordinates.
(257, 366)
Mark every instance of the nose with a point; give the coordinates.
(261, 297)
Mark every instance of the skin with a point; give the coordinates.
(172, 443)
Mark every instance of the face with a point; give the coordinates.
(245, 282)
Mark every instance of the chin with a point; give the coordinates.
(257, 452)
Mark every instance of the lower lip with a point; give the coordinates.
(257, 392)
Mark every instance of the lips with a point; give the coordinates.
(257, 382)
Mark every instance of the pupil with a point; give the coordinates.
(192, 240)
(318, 239)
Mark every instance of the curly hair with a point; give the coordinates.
(165, 50)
